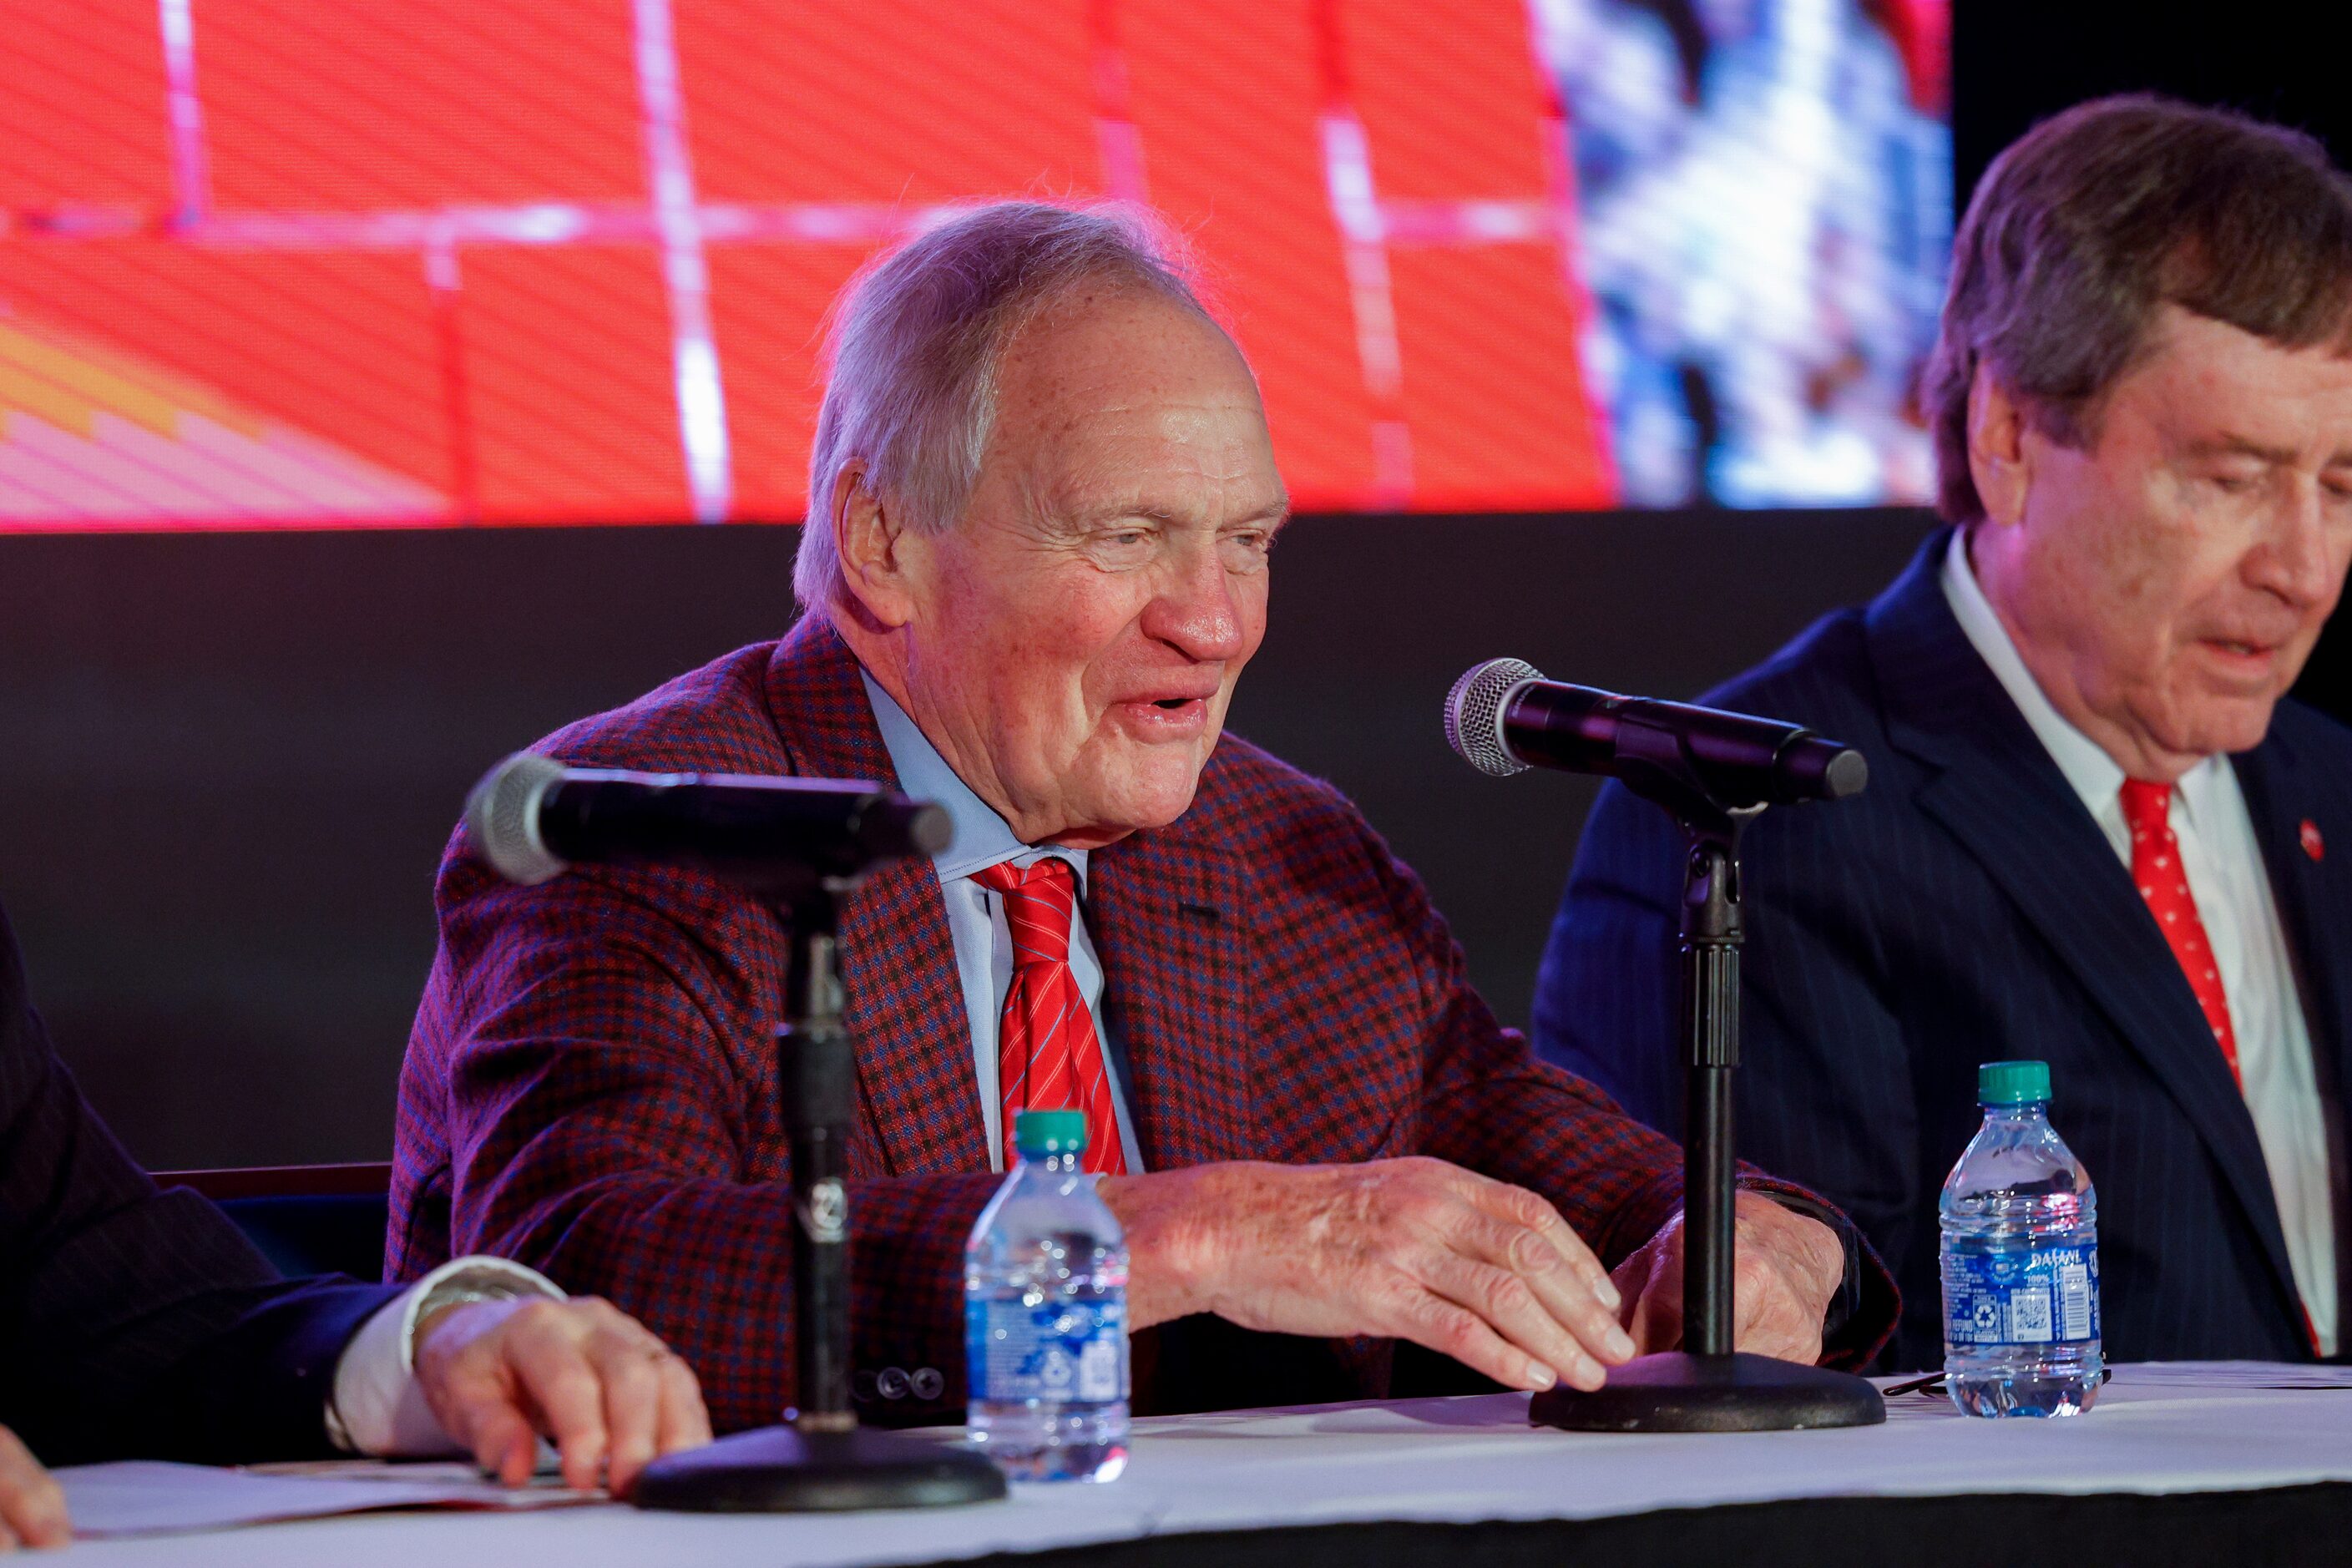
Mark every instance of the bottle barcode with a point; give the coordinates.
(2075, 1300)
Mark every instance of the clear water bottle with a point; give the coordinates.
(1045, 1290)
(2021, 1259)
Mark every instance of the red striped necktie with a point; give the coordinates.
(1048, 1057)
(2156, 867)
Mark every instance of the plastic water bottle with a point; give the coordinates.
(2021, 1259)
(1045, 1290)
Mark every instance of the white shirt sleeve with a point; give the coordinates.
(378, 1407)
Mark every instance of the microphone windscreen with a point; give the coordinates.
(1846, 775)
(1473, 714)
(502, 818)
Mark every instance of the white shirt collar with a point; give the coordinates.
(982, 839)
(2094, 775)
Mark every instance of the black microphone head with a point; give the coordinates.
(1848, 771)
(895, 825)
(502, 818)
(1473, 714)
(1818, 768)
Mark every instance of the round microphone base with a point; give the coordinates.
(781, 1469)
(1675, 1391)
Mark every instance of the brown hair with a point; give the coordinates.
(2082, 228)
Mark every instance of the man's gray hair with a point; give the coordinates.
(2093, 220)
(916, 344)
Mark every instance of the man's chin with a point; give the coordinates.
(2221, 726)
(1131, 805)
(1156, 803)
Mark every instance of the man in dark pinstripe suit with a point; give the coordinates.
(2095, 834)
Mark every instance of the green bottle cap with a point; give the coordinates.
(2012, 1083)
(1036, 1134)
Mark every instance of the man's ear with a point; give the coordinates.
(1999, 455)
(871, 546)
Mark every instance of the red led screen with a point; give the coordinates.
(373, 262)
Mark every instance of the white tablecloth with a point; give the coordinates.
(2157, 1429)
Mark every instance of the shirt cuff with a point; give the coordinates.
(378, 1407)
(1847, 1302)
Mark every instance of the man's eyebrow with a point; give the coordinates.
(1114, 508)
(2244, 446)
(2227, 445)
(1272, 517)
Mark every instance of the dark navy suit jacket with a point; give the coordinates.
(136, 1322)
(1966, 909)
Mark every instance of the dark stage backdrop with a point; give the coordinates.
(228, 763)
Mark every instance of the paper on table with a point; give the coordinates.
(149, 1497)
(2233, 1374)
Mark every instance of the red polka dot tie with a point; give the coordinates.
(1048, 1057)
(2156, 867)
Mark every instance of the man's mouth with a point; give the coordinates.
(1163, 718)
(2244, 657)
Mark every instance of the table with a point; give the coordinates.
(2231, 1462)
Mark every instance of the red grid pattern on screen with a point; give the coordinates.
(568, 260)
(82, 104)
(1227, 96)
(336, 342)
(909, 102)
(360, 105)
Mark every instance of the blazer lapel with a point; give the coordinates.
(1997, 790)
(905, 1006)
(2315, 897)
(1168, 915)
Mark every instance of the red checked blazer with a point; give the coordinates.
(590, 1086)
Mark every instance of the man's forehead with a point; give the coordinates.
(1135, 404)
(1101, 337)
(2214, 385)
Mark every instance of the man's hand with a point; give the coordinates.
(32, 1508)
(610, 1394)
(1419, 1250)
(1788, 1267)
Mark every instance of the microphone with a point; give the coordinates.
(533, 818)
(1504, 716)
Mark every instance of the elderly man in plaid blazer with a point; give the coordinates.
(1036, 564)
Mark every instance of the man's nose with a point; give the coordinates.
(1196, 610)
(2297, 560)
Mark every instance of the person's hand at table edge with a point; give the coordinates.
(1414, 1248)
(1788, 1268)
(601, 1385)
(32, 1505)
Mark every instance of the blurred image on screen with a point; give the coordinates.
(267, 263)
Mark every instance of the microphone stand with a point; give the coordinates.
(821, 1459)
(1706, 1386)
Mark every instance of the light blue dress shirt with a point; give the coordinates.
(983, 942)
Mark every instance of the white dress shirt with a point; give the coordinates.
(983, 942)
(2223, 860)
(378, 1407)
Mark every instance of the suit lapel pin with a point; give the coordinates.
(2312, 843)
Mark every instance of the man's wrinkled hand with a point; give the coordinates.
(1788, 1268)
(32, 1508)
(610, 1395)
(1416, 1248)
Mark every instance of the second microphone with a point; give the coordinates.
(531, 818)
(1503, 718)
